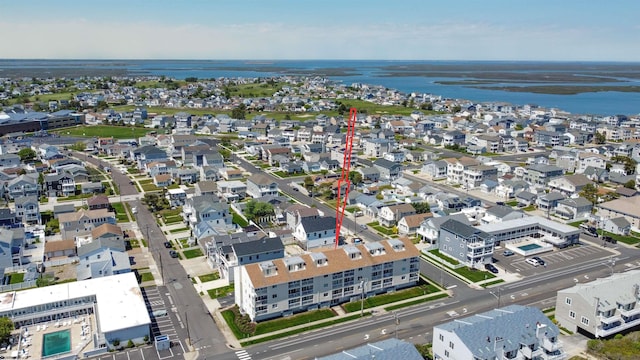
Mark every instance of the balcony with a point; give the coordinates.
(530, 354)
(551, 346)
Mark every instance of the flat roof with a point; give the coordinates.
(528, 220)
(120, 304)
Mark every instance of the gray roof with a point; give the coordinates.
(577, 202)
(21, 200)
(526, 195)
(438, 221)
(390, 349)
(259, 246)
(552, 196)
(620, 222)
(514, 324)
(101, 243)
(462, 229)
(500, 211)
(318, 224)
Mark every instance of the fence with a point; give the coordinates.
(18, 286)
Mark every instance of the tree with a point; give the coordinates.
(631, 184)
(191, 79)
(424, 350)
(590, 192)
(6, 327)
(79, 146)
(27, 154)
(599, 138)
(355, 178)
(427, 106)
(421, 208)
(255, 209)
(239, 112)
(308, 183)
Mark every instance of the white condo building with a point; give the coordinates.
(322, 279)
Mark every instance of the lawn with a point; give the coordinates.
(512, 203)
(209, 277)
(270, 326)
(121, 214)
(146, 277)
(494, 282)
(220, 292)
(118, 132)
(172, 220)
(416, 302)
(474, 275)
(444, 257)
(178, 230)
(150, 187)
(239, 220)
(529, 208)
(145, 181)
(629, 240)
(16, 278)
(192, 253)
(422, 289)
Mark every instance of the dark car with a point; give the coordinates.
(167, 245)
(491, 268)
(540, 261)
(500, 203)
(173, 254)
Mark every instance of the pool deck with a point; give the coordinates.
(33, 335)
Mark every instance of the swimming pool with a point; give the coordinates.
(529, 247)
(56, 343)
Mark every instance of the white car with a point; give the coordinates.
(533, 261)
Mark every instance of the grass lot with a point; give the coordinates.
(121, 214)
(178, 230)
(474, 275)
(16, 278)
(381, 229)
(192, 253)
(146, 277)
(239, 220)
(220, 292)
(134, 243)
(621, 347)
(576, 223)
(75, 197)
(254, 90)
(485, 285)
(512, 203)
(118, 132)
(269, 326)
(422, 289)
(529, 208)
(209, 277)
(629, 240)
(145, 181)
(149, 187)
(172, 220)
(444, 257)
(303, 329)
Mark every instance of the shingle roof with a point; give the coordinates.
(319, 224)
(390, 349)
(263, 245)
(464, 230)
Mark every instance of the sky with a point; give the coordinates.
(549, 30)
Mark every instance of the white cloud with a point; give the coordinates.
(83, 38)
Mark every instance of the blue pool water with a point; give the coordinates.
(529, 247)
(56, 343)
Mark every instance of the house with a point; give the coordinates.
(500, 213)
(408, 225)
(28, 210)
(98, 202)
(92, 188)
(369, 174)
(390, 215)
(467, 244)
(59, 248)
(63, 209)
(587, 159)
(389, 349)
(507, 189)
(100, 258)
(474, 176)
(107, 231)
(539, 175)
(82, 222)
(435, 169)
(574, 208)
(147, 154)
(548, 202)
(12, 243)
(176, 197)
(162, 180)
(232, 190)
(252, 250)
(375, 148)
(569, 184)
(205, 187)
(618, 226)
(315, 280)
(7, 217)
(61, 184)
(206, 208)
(456, 168)
(601, 308)
(526, 198)
(455, 137)
(388, 169)
(259, 185)
(23, 185)
(511, 332)
(295, 213)
(316, 232)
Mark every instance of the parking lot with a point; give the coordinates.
(163, 321)
(556, 259)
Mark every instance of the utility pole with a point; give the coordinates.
(362, 283)
(186, 321)
(397, 320)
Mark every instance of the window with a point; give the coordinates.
(572, 314)
(584, 320)
(446, 353)
(441, 337)
(567, 301)
(451, 344)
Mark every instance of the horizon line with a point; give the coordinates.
(331, 59)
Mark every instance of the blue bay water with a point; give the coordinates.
(364, 71)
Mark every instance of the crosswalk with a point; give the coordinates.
(243, 355)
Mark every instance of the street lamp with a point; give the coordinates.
(497, 296)
(362, 285)
(397, 320)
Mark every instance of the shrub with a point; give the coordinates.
(130, 344)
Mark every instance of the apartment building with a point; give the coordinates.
(552, 232)
(603, 307)
(512, 332)
(315, 280)
(465, 243)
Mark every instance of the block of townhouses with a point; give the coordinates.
(315, 280)
(512, 332)
(603, 307)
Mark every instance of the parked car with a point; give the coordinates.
(539, 260)
(491, 267)
(500, 203)
(167, 245)
(173, 253)
(532, 261)
(507, 253)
